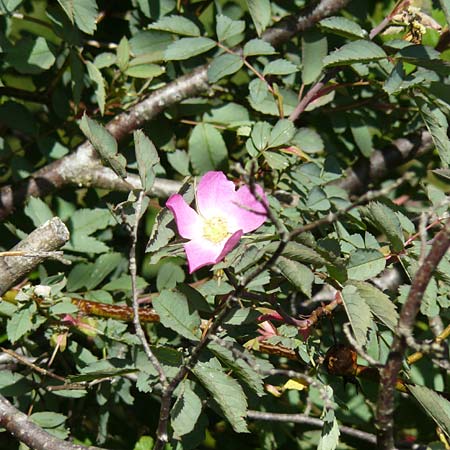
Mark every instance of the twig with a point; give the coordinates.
(373, 362)
(408, 314)
(32, 435)
(133, 274)
(307, 420)
(49, 237)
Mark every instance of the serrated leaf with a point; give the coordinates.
(261, 13)
(358, 313)
(279, 67)
(147, 158)
(329, 438)
(299, 275)
(97, 78)
(299, 252)
(179, 160)
(87, 221)
(317, 200)
(379, 303)
(103, 266)
(240, 366)
(186, 411)
(314, 50)
(161, 234)
(185, 48)
(19, 324)
(227, 392)
(437, 125)
(361, 135)
(176, 24)
(174, 312)
(31, 56)
(105, 144)
(281, 133)
(260, 135)
(365, 263)
(47, 419)
(354, 52)
(85, 244)
(226, 27)
(207, 149)
(38, 211)
(81, 12)
(123, 54)
(270, 106)
(146, 70)
(258, 47)
(308, 140)
(224, 65)
(343, 27)
(385, 221)
(437, 407)
(169, 275)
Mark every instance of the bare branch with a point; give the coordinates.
(307, 420)
(26, 431)
(408, 314)
(49, 237)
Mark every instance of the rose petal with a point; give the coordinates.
(214, 192)
(189, 223)
(201, 252)
(248, 212)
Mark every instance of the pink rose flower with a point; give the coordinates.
(223, 215)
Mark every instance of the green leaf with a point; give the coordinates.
(179, 160)
(224, 65)
(353, 52)
(386, 221)
(329, 438)
(105, 144)
(123, 54)
(260, 135)
(361, 134)
(144, 443)
(317, 200)
(151, 45)
(240, 367)
(256, 47)
(261, 14)
(365, 263)
(147, 158)
(308, 140)
(87, 221)
(358, 313)
(379, 303)
(103, 266)
(437, 125)
(226, 27)
(38, 211)
(97, 78)
(269, 106)
(314, 50)
(280, 67)
(187, 47)
(281, 133)
(343, 27)
(19, 324)
(169, 275)
(436, 406)
(445, 5)
(299, 275)
(258, 90)
(81, 12)
(207, 149)
(186, 410)
(85, 244)
(227, 392)
(31, 56)
(147, 70)
(174, 312)
(47, 419)
(176, 24)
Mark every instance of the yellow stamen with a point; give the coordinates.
(215, 229)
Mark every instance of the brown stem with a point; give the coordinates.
(408, 314)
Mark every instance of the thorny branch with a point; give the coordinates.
(408, 314)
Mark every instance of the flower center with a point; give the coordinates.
(215, 229)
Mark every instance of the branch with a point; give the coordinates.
(408, 314)
(83, 168)
(26, 431)
(382, 162)
(50, 236)
(307, 420)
